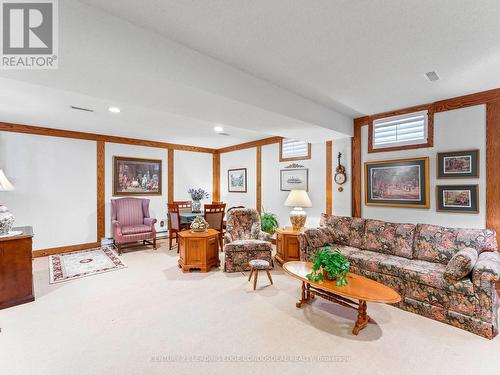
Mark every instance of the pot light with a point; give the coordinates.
(218, 129)
(114, 109)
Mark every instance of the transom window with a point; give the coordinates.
(404, 130)
(293, 149)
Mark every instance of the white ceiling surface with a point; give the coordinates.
(356, 56)
(108, 61)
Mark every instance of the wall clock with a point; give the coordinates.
(340, 176)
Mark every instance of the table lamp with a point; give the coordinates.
(298, 199)
(6, 218)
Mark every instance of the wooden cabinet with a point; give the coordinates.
(16, 274)
(287, 245)
(198, 250)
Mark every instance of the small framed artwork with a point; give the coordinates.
(458, 164)
(398, 183)
(134, 176)
(294, 179)
(458, 198)
(237, 180)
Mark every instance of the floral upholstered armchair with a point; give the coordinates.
(131, 222)
(244, 240)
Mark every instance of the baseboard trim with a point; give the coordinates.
(64, 249)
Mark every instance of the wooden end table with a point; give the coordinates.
(198, 250)
(287, 245)
(358, 288)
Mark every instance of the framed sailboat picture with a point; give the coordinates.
(294, 179)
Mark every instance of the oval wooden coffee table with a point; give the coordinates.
(359, 288)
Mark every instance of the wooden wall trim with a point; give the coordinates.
(356, 172)
(216, 177)
(37, 130)
(101, 205)
(329, 177)
(242, 146)
(65, 249)
(170, 175)
(259, 179)
(492, 171)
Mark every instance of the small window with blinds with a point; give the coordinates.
(292, 149)
(406, 131)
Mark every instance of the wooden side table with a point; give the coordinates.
(16, 275)
(198, 250)
(287, 245)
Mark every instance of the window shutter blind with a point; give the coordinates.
(292, 148)
(403, 130)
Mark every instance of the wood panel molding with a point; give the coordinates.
(170, 175)
(259, 179)
(492, 171)
(329, 177)
(216, 177)
(242, 146)
(65, 249)
(356, 172)
(477, 98)
(101, 205)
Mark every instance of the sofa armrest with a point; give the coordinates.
(312, 239)
(227, 238)
(117, 228)
(264, 236)
(149, 221)
(486, 271)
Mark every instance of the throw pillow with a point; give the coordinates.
(460, 265)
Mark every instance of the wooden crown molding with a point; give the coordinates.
(242, 146)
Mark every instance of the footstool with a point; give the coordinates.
(255, 266)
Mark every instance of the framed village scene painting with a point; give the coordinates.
(237, 180)
(457, 198)
(398, 183)
(294, 179)
(458, 164)
(133, 176)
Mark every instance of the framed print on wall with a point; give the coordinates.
(294, 179)
(457, 198)
(134, 176)
(458, 164)
(398, 183)
(237, 180)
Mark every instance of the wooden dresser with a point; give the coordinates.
(287, 245)
(16, 274)
(198, 250)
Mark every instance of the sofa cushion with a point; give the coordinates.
(248, 245)
(318, 237)
(377, 262)
(135, 229)
(479, 239)
(345, 230)
(461, 264)
(129, 211)
(432, 274)
(434, 243)
(389, 238)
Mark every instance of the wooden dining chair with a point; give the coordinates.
(183, 205)
(217, 202)
(214, 215)
(174, 224)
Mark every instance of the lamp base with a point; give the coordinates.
(6, 221)
(298, 218)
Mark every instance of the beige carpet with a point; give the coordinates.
(152, 319)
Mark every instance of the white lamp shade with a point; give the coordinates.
(5, 184)
(298, 198)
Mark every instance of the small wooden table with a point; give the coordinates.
(287, 245)
(198, 250)
(359, 288)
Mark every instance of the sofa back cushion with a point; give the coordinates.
(389, 238)
(439, 244)
(344, 230)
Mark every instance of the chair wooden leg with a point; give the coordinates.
(269, 275)
(170, 240)
(221, 242)
(255, 279)
(119, 249)
(154, 243)
(250, 276)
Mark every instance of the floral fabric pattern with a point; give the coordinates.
(435, 244)
(244, 224)
(460, 265)
(479, 239)
(345, 230)
(389, 238)
(239, 253)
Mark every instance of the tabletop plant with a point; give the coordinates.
(268, 222)
(198, 194)
(331, 265)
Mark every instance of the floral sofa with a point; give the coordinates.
(244, 240)
(446, 274)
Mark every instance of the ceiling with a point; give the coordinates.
(356, 56)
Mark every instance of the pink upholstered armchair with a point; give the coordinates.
(131, 222)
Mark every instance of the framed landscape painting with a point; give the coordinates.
(398, 183)
(133, 176)
(294, 179)
(458, 164)
(457, 198)
(237, 180)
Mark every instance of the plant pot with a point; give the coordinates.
(196, 206)
(327, 276)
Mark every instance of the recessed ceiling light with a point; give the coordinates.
(114, 109)
(218, 129)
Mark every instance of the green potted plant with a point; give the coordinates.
(268, 222)
(330, 265)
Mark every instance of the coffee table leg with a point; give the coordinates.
(362, 320)
(304, 295)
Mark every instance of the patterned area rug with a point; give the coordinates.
(69, 266)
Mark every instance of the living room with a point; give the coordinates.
(222, 186)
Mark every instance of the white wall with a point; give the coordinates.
(55, 181)
(192, 170)
(239, 159)
(456, 130)
(158, 204)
